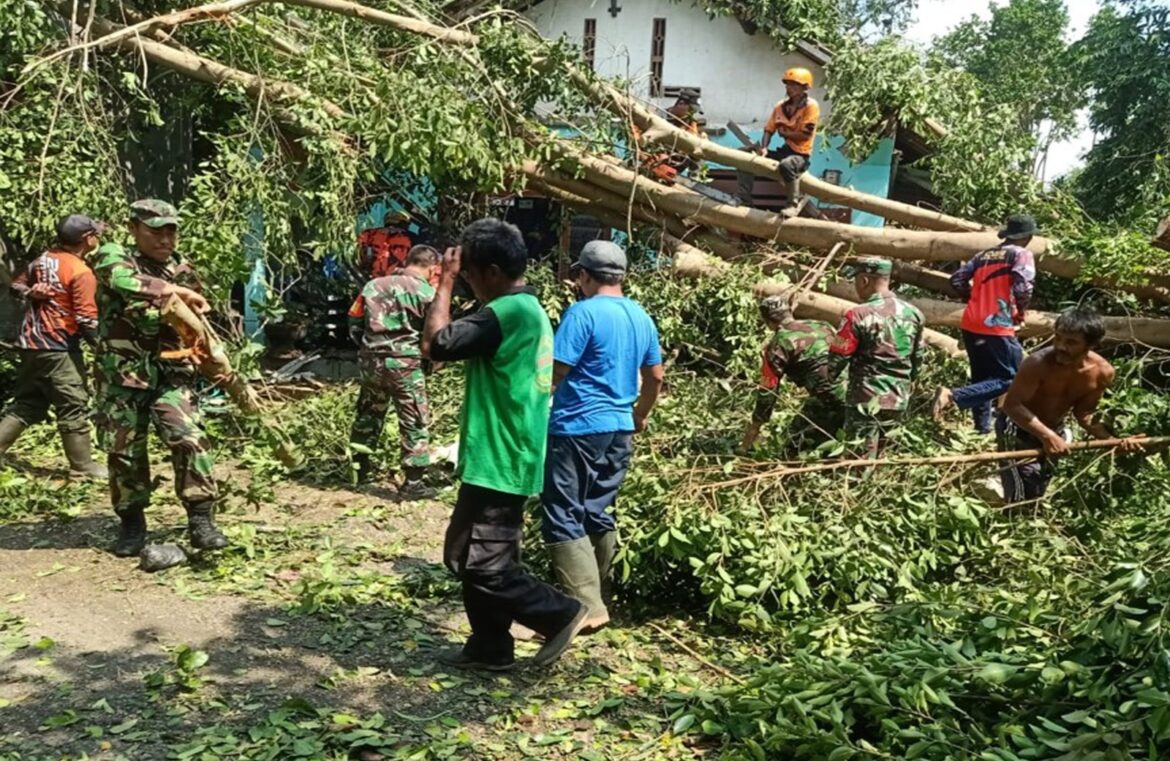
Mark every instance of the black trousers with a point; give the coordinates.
(482, 548)
(792, 166)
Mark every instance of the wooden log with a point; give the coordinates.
(688, 260)
(948, 314)
(808, 233)
(211, 359)
(928, 279)
(599, 197)
(1162, 235)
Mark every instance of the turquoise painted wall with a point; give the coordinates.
(870, 176)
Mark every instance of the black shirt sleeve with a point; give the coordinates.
(477, 335)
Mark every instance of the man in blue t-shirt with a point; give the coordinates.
(605, 342)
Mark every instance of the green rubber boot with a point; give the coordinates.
(79, 452)
(605, 550)
(10, 430)
(575, 565)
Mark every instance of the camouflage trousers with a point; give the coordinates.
(872, 428)
(817, 421)
(128, 413)
(399, 381)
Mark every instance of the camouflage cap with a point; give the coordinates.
(154, 213)
(871, 265)
(776, 308)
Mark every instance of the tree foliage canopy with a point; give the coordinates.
(1125, 60)
(1020, 57)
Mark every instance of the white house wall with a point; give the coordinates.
(739, 74)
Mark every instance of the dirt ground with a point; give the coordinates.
(331, 602)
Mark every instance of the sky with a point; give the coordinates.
(936, 17)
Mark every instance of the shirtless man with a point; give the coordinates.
(1066, 376)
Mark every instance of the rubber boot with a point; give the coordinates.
(413, 487)
(78, 451)
(10, 430)
(364, 467)
(605, 549)
(575, 565)
(132, 533)
(201, 527)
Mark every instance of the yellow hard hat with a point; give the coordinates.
(800, 76)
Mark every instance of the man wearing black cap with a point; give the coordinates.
(59, 289)
(604, 344)
(997, 284)
(141, 384)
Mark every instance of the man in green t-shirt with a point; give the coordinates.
(507, 346)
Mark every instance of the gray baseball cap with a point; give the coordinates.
(602, 257)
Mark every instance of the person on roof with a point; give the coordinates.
(795, 119)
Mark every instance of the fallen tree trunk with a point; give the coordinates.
(657, 129)
(808, 233)
(948, 314)
(604, 198)
(688, 260)
(925, 278)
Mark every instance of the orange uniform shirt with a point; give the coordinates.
(804, 120)
(59, 323)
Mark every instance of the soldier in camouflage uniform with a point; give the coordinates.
(386, 320)
(140, 386)
(882, 337)
(799, 349)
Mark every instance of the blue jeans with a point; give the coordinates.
(582, 475)
(994, 362)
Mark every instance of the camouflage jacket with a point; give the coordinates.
(387, 318)
(799, 349)
(883, 340)
(131, 333)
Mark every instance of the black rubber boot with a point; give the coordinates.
(78, 450)
(131, 534)
(364, 468)
(201, 528)
(414, 487)
(10, 430)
